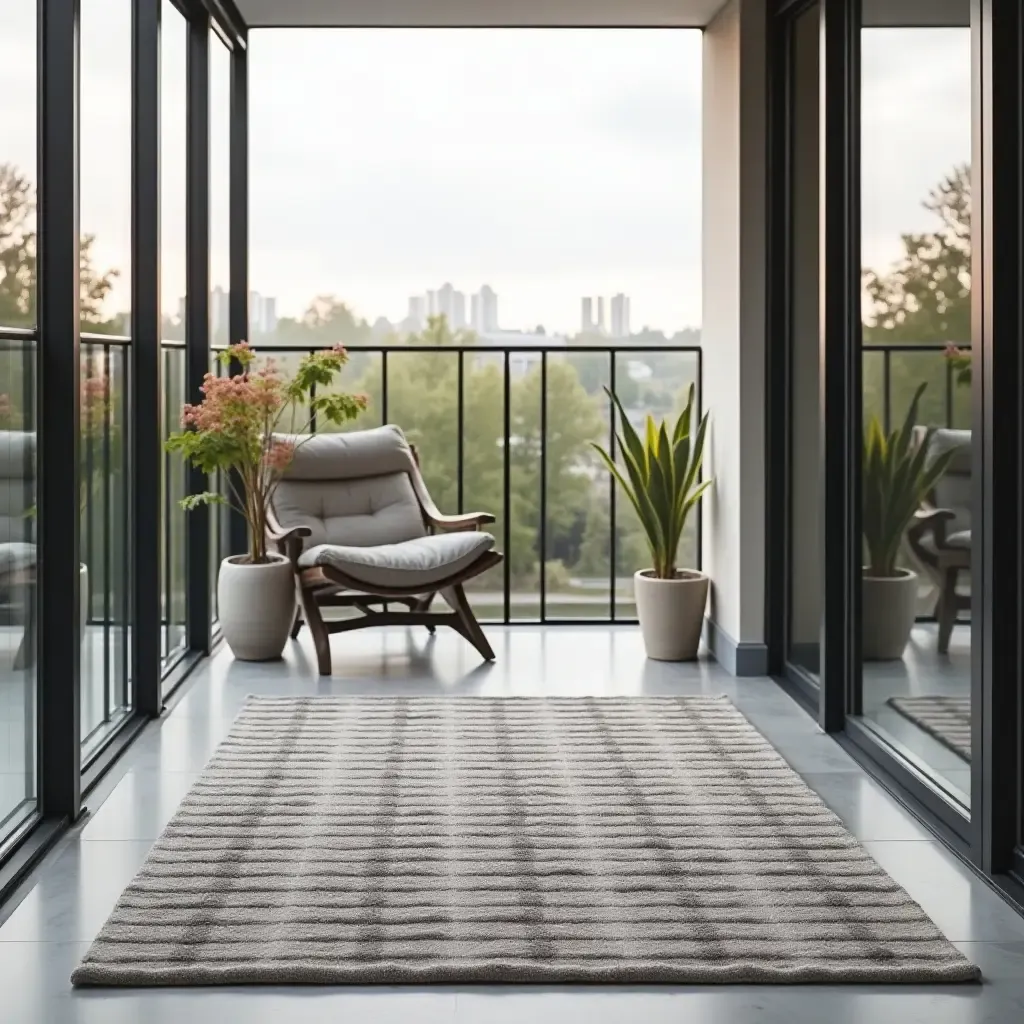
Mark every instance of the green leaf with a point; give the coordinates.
(662, 470)
(194, 501)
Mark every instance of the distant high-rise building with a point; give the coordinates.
(270, 314)
(620, 316)
(433, 305)
(587, 315)
(600, 314)
(416, 319)
(458, 318)
(484, 317)
(262, 314)
(445, 301)
(450, 304)
(219, 314)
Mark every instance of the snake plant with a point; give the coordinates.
(897, 477)
(661, 478)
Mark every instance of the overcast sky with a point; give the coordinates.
(549, 164)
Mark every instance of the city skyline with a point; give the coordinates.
(601, 192)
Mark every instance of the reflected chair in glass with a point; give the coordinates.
(940, 536)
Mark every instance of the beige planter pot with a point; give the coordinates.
(671, 613)
(256, 604)
(889, 608)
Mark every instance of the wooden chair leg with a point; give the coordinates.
(318, 630)
(423, 605)
(297, 621)
(947, 609)
(466, 622)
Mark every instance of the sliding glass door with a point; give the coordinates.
(897, 383)
(914, 687)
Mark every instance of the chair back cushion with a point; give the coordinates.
(17, 484)
(953, 491)
(351, 489)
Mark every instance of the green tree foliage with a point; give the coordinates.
(923, 298)
(18, 263)
(926, 295)
(328, 321)
(423, 400)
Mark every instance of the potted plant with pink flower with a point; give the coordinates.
(249, 425)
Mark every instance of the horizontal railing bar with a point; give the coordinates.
(104, 339)
(497, 349)
(910, 346)
(17, 333)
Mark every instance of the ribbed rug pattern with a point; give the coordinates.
(948, 719)
(476, 839)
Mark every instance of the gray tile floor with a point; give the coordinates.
(49, 930)
(923, 672)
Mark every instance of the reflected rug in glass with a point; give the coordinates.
(948, 719)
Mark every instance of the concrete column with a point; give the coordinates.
(734, 330)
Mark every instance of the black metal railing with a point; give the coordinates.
(892, 372)
(173, 554)
(106, 529)
(508, 429)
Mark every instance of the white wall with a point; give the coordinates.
(734, 322)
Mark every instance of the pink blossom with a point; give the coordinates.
(278, 455)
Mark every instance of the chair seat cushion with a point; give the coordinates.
(16, 555)
(413, 565)
(959, 539)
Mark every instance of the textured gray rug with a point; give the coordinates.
(948, 719)
(376, 840)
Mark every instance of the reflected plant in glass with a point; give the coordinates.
(900, 470)
(960, 362)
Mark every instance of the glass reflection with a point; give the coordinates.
(916, 245)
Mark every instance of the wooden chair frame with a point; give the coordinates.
(326, 587)
(945, 562)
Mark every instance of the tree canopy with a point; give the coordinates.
(18, 263)
(924, 298)
(926, 295)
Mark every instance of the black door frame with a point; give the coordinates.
(990, 836)
(61, 776)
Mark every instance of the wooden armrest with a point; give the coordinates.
(288, 542)
(452, 524)
(431, 516)
(931, 520)
(278, 533)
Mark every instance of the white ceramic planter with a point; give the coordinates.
(889, 607)
(671, 613)
(83, 600)
(256, 604)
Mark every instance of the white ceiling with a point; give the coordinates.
(483, 13)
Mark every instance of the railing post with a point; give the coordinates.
(543, 510)
(460, 417)
(612, 539)
(506, 487)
